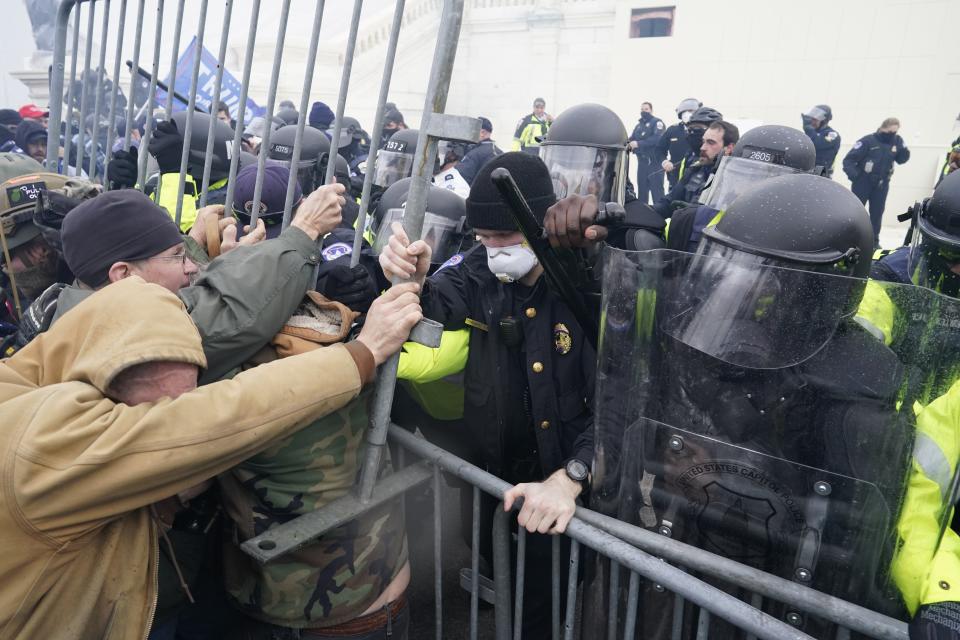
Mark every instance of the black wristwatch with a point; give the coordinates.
(578, 471)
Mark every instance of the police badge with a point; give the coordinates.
(561, 339)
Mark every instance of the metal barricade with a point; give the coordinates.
(642, 554)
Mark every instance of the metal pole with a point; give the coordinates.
(95, 139)
(137, 39)
(555, 588)
(88, 52)
(501, 573)
(378, 118)
(56, 82)
(271, 100)
(574, 571)
(344, 88)
(521, 570)
(436, 100)
(188, 122)
(151, 97)
(474, 566)
(613, 609)
(217, 84)
(175, 56)
(438, 551)
(116, 86)
(633, 595)
(242, 107)
(302, 120)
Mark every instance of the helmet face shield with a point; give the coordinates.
(742, 308)
(392, 166)
(934, 265)
(442, 234)
(817, 114)
(736, 175)
(585, 171)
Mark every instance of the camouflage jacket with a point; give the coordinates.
(339, 576)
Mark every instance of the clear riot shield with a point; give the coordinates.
(800, 423)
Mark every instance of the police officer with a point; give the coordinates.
(478, 155)
(713, 142)
(952, 160)
(673, 145)
(530, 371)
(532, 127)
(644, 141)
(760, 392)
(869, 166)
(586, 153)
(166, 146)
(395, 160)
(816, 124)
(314, 147)
(763, 152)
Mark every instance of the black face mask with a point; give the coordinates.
(695, 139)
(886, 137)
(645, 115)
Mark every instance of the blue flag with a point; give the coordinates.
(206, 81)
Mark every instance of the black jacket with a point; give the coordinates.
(476, 157)
(554, 360)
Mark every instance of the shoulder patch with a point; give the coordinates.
(452, 261)
(857, 144)
(831, 136)
(660, 125)
(336, 250)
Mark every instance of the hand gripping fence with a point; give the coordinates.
(635, 554)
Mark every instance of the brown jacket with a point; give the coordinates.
(79, 471)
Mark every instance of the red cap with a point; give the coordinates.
(33, 111)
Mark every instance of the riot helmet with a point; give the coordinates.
(222, 144)
(350, 130)
(935, 251)
(586, 153)
(687, 106)
(444, 223)
(288, 116)
(313, 145)
(763, 152)
(765, 289)
(821, 112)
(395, 160)
(697, 124)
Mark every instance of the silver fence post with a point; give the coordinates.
(217, 84)
(613, 609)
(151, 98)
(377, 118)
(95, 138)
(57, 81)
(436, 100)
(344, 88)
(191, 103)
(633, 595)
(474, 565)
(88, 52)
(438, 551)
(137, 41)
(574, 571)
(174, 57)
(501, 573)
(268, 125)
(555, 588)
(117, 58)
(242, 107)
(521, 577)
(302, 119)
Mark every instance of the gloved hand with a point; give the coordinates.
(166, 145)
(122, 170)
(940, 621)
(676, 205)
(352, 286)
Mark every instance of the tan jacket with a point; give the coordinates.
(79, 549)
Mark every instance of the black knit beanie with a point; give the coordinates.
(485, 208)
(122, 225)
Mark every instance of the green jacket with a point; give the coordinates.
(241, 300)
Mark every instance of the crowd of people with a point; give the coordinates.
(179, 378)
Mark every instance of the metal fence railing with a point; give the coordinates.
(634, 554)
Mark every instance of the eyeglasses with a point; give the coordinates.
(181, 257)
